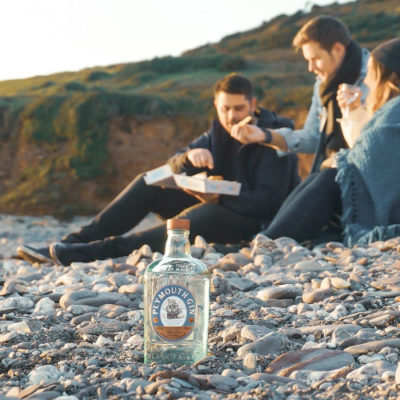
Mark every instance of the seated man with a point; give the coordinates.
(266, 181)
(335, 59)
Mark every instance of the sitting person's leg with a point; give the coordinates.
(295, 192)
(212, 221)
(304, 215)
(126, 211)
(129, 208)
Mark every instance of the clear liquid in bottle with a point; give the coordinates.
(176, 302)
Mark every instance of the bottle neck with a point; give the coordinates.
(178, 244)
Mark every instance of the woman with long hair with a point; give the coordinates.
(364, 187)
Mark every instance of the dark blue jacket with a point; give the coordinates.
(266, 178)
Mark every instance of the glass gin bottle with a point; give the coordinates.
(176, 302)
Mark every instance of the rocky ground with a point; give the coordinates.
(286, 323)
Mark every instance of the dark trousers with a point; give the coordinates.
(308, 208)
(212, 221)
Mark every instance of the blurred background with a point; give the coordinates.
(94, 92)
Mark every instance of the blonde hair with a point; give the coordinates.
(387, 86)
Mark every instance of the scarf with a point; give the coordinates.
(348, 72)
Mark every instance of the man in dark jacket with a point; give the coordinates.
(265, 178)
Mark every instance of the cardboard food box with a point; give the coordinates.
(163, 176)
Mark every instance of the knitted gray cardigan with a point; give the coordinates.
(369, 178)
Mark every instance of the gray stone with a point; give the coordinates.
(272, 343)
(250, 361)
(281, 303)
(131, 288)
(222, 382)
(262, 244)
(218, 285)
(44, 374)
(342, 333)
(235, 258)
(105, 328)
(254, 332)
(308, 266)
(263, 260)
(44, 306)
(242, 284)
(397, 375)
(374, 346)
(309, 359)
(279, 292)
(340, 283)
(260, 376)
(79, 309)
(197, 252)
(26, 326)
(16, 304)
(94, 299)
(134, 383)
(362, 374)
(233, 332)
(200, 242)
(362, 336)
(317, 295)
(291, 258)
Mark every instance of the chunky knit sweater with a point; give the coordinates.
(369, 178)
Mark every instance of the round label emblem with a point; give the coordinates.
(173, 312)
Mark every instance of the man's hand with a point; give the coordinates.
(204, 197)
(245, 133)
(201, 158)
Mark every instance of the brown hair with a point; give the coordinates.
(235, 84)
(387, 85)
(325, 30)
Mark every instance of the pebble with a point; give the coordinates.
(309, 359)
(397, 375)
(271, 343)
(44, 306)
(279, 292)
(44, 374)
(317, 295)
(254, 332)
(285, 321)
(19, 304)
(250, 361)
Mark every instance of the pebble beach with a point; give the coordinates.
(286, 322)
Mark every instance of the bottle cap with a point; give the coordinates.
(176, 223)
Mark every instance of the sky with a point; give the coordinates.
(41, 37)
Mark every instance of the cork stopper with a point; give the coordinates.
(176, 223)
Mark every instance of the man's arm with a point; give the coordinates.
(286, 139)
(182, 162)
(245, 133)
(196, 157)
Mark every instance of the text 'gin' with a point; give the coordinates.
(176, 302)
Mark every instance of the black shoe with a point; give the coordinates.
(67, 253)
(33, 255)
(58, 252)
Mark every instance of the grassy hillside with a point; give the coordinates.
(70, 141)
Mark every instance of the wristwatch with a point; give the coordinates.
(268, 135)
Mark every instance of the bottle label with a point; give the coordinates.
(173, 312)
